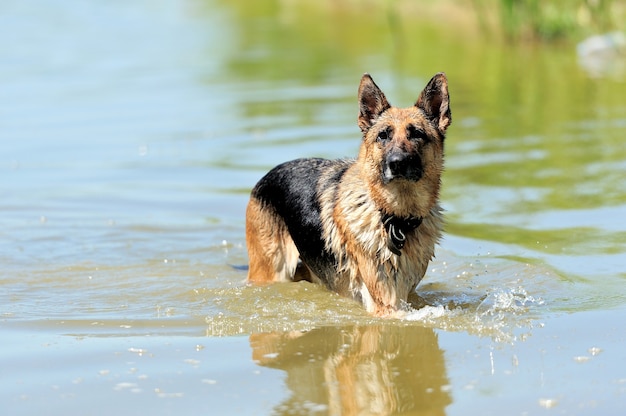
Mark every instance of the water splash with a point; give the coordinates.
(497, 298)
(515, 300)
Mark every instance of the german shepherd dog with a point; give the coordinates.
(365, 228)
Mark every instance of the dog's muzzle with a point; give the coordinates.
(401, 165)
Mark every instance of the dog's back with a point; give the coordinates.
(285, 212)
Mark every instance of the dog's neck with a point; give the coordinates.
(397, 229)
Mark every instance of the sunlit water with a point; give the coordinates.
(131, 135)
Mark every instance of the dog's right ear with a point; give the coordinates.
(372, 102)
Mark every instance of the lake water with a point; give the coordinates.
(132, 132)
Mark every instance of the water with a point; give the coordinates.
(131, 134)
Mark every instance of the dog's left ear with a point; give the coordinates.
(435, 102)
(372, 102)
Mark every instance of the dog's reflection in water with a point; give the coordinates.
(358, 370)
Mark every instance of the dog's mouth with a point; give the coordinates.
(402, 166)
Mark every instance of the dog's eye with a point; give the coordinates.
(384, 135)
(416, 134)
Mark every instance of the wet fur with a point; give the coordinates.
(322, 220)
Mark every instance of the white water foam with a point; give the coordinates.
(427, 313)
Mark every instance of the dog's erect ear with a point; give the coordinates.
(435, 102)
(372, 102)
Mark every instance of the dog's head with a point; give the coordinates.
(403, 147)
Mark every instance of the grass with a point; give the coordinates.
(552, 20)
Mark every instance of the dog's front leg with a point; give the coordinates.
(377, 288)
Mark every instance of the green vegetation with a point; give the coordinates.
(556, 19)
(513, 20)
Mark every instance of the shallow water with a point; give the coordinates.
(132, 133)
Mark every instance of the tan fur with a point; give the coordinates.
(273, 255)
(352, 227)
(351, 208)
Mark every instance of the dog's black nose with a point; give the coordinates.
(396, 162)
(402, 165)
